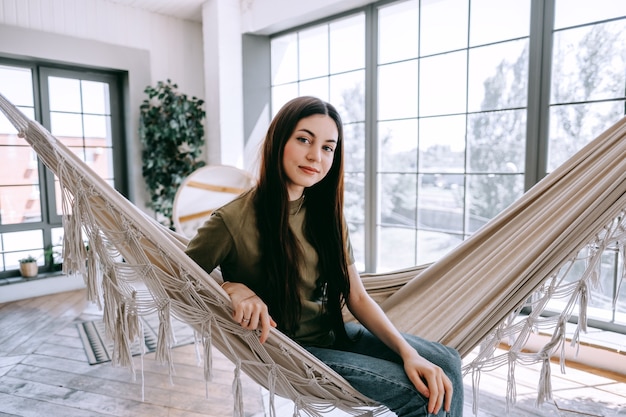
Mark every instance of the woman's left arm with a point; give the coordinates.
(428, 378)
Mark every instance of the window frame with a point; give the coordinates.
(50, 219)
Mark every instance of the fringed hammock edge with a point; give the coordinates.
(472, 296)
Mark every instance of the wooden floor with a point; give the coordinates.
(44, 372)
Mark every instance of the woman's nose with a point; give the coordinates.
(313, 154)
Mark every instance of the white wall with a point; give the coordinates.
(174, 45)
(151, 47)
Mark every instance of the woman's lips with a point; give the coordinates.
(309, 170)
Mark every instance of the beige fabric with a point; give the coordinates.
(462, 300)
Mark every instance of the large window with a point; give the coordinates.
(81, 109)
(454, 108)
(587, 95)
(451, 108)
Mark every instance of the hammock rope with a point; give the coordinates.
(134, 266)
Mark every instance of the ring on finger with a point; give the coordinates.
(246, 320)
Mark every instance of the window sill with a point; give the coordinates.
(21, 279)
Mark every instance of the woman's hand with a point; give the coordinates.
(248, 309)
(430, 381)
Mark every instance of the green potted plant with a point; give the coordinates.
(172, 137)
(29, 267)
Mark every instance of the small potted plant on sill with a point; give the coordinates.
(29, 267)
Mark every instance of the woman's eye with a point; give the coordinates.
(303, 140)
(328, 149)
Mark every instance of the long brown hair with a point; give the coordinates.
(324, 223)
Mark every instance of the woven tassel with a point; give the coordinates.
(475, 385)
(198, 346)
(237, 392)
(162, 337)
(121, 344)
(164, 340)
(207, 342)
(271, 387)
(111, 300)
(584, 302)
(132, 326)
(544, 390)
(511, 388)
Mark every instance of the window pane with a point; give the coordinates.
(398, 199)
(396, 248)
(354, 197)
(441, 201)
(589, 63)
(602, 295)
(498, 76)
(431, 246)
(313, 52)
(498, 20)
(398, 31)
(489, 195)
(573, 126)
(65, 94)
(442, 84)
(347, 44)
(97, 130)
(20, 204)
(577, 12)
(397, 146)
(21, 244)
(282, 94)
(354, 148)
(101, 160)
(354, 200)
(95, 97)
(67, 127)
(317, 87)
(442, 144)
(397, 90)
(16, 85)
(620, 305)
(284, 52)
(497, 141)
(347, 94)
(441, 30)
(18, 166)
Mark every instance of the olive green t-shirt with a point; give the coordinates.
(230, 239)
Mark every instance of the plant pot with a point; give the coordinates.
(29, 269)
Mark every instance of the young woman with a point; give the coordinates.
(286, 259)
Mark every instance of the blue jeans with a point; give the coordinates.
(377, 372)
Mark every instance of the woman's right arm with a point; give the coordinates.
(248, 309)
(211, 245)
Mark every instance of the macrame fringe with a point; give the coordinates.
(237, 392)
(165, 340)
(577, 294)
(271, 387)
(208, 353)
(545, 382)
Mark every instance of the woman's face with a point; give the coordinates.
(309, 153)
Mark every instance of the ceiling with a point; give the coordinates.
(182, 9)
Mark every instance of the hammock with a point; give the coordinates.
(135, 266)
